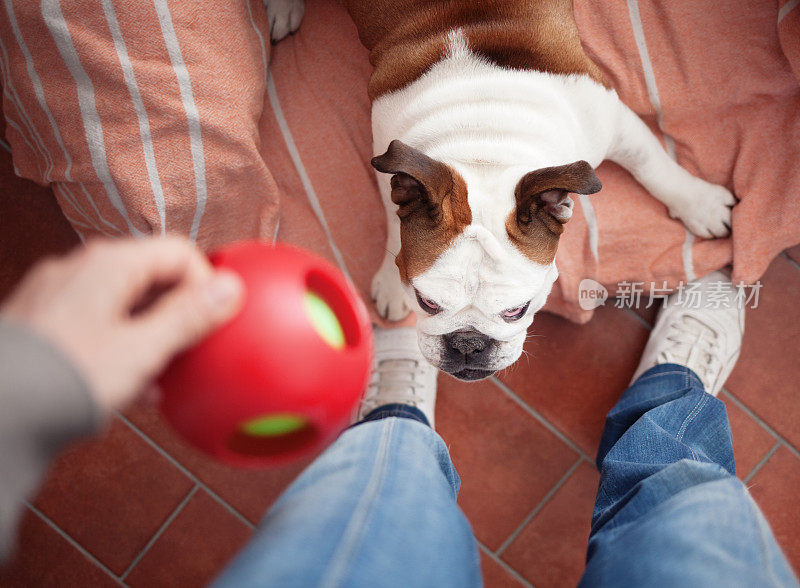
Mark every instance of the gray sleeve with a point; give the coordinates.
(44, 403)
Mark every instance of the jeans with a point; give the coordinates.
(669, 509)
(378, 508)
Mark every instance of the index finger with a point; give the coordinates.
(130, 268)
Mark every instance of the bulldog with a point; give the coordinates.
(486, 118)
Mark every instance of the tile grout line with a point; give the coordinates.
(790, 260)
(547, 424)
(761, 422)
(762, 461)
(494, 557)
(160, 531)
(510, 539)
(73, 542)
(186, 472)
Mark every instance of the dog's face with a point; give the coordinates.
(478, 267)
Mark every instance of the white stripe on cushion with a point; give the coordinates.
(17, 128)
(786, 9)
(80, 223)
(70, 198)
(30, 130)
(313, 200)
(655, 101)
(90, 200)
(591, 222)
(266, 74)
(36, 82)
(54, 19)
(72, 221)
(192, 115)
(141, 113)
(291, 146)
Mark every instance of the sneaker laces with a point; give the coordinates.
(394, 381)
(694, 344)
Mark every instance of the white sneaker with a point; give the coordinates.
(400, 374)
(700, 328)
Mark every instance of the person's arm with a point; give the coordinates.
(83, 335)
(44, 404)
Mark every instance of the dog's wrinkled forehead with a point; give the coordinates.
(481, 270)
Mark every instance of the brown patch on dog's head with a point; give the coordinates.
(432, 205)
(544, 206)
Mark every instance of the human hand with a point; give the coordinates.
(120, 310)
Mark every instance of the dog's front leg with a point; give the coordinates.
(284, 17)
(703, 207)
(388, 293)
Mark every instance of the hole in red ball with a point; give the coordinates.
(338, 300)
(245, 444)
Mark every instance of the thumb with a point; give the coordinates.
(187, 313)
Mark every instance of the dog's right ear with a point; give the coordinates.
(419, 184)
(543, 195)
(544, 206)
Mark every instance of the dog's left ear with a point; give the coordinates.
(419, 183)
(432, 204)
(543, 195)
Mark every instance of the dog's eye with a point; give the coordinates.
(514, 314)
(427, 305)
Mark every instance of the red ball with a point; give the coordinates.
(283, 378)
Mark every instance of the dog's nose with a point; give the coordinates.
(467, 342)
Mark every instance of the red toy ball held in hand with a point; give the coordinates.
(284, 376)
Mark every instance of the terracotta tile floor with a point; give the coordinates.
(138, 507)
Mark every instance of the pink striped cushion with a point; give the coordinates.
(143, 117)
(158, 116)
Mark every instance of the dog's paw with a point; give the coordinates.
(284, 17)
(705, 209)
(388, 293)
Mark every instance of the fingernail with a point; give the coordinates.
(223, 290)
